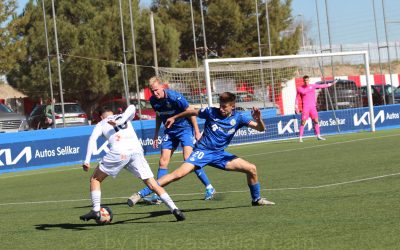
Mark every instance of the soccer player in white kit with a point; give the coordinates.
(125, 152)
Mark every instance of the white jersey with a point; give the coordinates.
(122, 137)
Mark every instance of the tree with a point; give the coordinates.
(90, 45)
(10, 44)
(231, 27)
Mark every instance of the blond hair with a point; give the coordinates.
(155, 79)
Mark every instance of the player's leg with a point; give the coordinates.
(168, 146)
(162, 170)
(166, 154)
(139, 167)
(110, 165)
(314, 117)
(177, 174)
(180, 172)
(95, 195)
(160, 191)
(241, 165)
(187, 141)
(201, 174)
(304, 116)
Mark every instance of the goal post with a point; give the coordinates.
(270, 83)
(279, 71)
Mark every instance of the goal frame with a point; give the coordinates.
(270, 59)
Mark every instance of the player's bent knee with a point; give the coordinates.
(252, 169)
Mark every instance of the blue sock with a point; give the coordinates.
(146, 191)
(255, 191)
(161, 172)
(202, 176)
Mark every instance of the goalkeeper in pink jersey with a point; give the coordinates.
(306, 94)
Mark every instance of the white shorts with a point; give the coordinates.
(112, 163)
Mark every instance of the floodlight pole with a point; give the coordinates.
(53, 125)
(195, 52)
(320, 39)
(153, 38)
(260, 55)
(270, 51)
(302, 31)
(134, 58)
(204, 29)
(125, 79)
(58, 63)
(330, 50)
(377, 45)
(388, 50)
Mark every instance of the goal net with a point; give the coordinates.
(270, 83)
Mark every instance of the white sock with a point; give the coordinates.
(209, 186)
(96, 198)
(168, 201)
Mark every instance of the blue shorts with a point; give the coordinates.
(172, 139)
(218, 159)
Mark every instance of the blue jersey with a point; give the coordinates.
(219, 130)
(173, 103)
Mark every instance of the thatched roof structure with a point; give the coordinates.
(6, 92)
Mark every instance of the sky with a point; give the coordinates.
(350, 21)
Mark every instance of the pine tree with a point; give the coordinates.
(231, 28)
(10, 43)
(90, 45)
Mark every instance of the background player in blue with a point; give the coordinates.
(219, 129)
(168, 103)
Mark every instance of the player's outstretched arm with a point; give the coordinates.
(97, 132)
(326, 85)
(197, 134)
(257, 123)
(186, 113)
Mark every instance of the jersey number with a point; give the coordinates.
(122, 126)
(198, 154)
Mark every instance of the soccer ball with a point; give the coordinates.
(106, 216)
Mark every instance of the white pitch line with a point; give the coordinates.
(244, 156)
(225, 192)
(322, 145)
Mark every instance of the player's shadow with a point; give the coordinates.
(71, 226)
(166, 213)
(137, 220)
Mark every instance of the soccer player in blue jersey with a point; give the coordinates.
(168, 103)
(219, 129)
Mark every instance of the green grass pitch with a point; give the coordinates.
(342, 193)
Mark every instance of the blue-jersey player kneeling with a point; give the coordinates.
(168, 103)
(220, 126)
